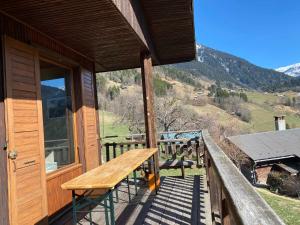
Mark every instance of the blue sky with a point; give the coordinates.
(265, 32)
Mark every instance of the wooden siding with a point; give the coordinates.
(57, 197)
(3, 154)
(91, 135)
(79, 117)
(97, 118)
(27, 182)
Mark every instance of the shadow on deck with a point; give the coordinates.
(179, 201)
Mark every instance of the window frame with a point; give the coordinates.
(76, 162)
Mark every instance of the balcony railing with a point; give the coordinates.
(233, 199)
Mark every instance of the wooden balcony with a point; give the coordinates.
(178, 201)
(219, 195)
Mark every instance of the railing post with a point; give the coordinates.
(114, 150)
(225, 216)
(122, 148)
(107, 152)
(198, 152)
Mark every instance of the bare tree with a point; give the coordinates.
(171, 115)
(130, 108)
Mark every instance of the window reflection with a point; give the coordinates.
(57, 116)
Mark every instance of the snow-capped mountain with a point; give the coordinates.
(292, 70)
(227, 68)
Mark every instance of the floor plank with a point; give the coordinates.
(179, 201)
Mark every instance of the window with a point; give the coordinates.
(57, 116)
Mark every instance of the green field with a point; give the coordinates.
(261, 98)
(288, 209)
(110, 126)
(263, 110)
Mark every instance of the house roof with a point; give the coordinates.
(292, 168)
(269, 145)
(113, 33)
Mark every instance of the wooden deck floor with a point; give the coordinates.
(179, 201)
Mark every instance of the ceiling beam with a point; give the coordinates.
(132, 12)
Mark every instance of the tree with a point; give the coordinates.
(130, 108)
(171, 115)
(113, 92)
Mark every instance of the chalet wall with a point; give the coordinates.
(79, 116)
(247, 172)
(3, 154)
(91, 135)
(57, 197)
(87, 122)
(262, 174)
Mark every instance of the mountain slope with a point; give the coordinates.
(292, 70)
(226, 68)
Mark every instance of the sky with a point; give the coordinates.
(264, 32)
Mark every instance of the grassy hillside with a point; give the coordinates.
(288, 209)
(263, 109)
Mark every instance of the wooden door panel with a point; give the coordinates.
(31, 213)
(26, 178)
(27, 188)
(89, 120)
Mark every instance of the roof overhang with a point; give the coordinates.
(113, 33)
(274, 158)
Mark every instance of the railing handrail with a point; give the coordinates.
(246, 205)
(159, 133)
(143, 141)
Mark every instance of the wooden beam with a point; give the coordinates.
(3, 155)
(148, 98)
(132, 12)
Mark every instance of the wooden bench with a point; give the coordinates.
(107, 177)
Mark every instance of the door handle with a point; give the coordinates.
(12, 155)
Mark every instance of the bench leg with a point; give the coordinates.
(117, 195)
(182, 172)
(112, 210)
(135, 186)
(106, 212)
(90, 215)
(155, 178)
(128, 188)
(74, 207)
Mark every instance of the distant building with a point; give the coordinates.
(269, 151)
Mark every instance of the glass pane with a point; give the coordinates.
(57, 116)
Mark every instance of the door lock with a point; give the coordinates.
(12, 155)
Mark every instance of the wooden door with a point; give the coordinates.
(27, 182)
(91, 136)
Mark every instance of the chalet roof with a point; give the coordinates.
(113, 33)
(269, 145)
(292, 168)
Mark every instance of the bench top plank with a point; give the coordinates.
(111, 173)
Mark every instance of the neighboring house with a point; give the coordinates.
(269, 151)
